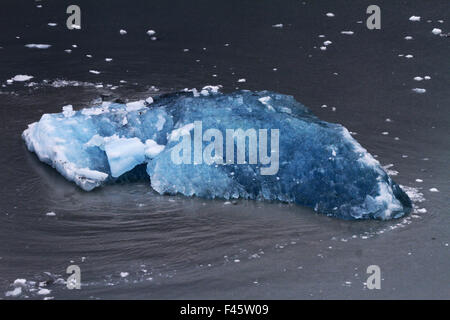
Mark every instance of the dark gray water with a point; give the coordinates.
(178, 247)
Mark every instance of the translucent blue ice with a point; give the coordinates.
(320, 164)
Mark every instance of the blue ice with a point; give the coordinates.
(319, 164)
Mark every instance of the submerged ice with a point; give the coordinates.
(318, 164)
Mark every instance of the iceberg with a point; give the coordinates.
(252, 145)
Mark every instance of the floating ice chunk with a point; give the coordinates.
(19, 282)
(136, 105)
(52, 24)
(408, 38)
(21, 78)
(94, 71)
(151, 32)
(330, 14)
(38, 46)
(149, 100)
(279, 25)
(43, 292)
(327, 43)
(323, 48)
(124, 274)
(427, 77)
(436, 31)
(418, 78)
(108, 59)
(68, 111)
(14, 293)
(414, 18)
(434, 190)
(422, 210)
(409, 56)
(320, 164)
(347, 32)
(122, 31)
(50, 214)
(242, 80)
(419, 90)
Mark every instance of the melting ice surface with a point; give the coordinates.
(320, 164)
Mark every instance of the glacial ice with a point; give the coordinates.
(320, 164)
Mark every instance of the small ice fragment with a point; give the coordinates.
(43, 292)
(279, 25)
(21, 77)
(414, 18)
(434, 190)
(385, 133)
(330, 14)
(14, 293)
(323, 48)
(108, 59)
(388, 120)
(52, 24)
(347, 32)
(427, 77)
(436, 31)
(74, 46)
(408, 38)
(328, 42)
(409, 56)
(422, 210)
(122, 31)
(68, 111)
(50, 214)
(135, 105)
(94, 71)
(20, 282)
(151, 32)
(68, 50)
(38, 46)
(149, 100)
(419, 90)
(419, 180)
(418, 78)
(242, 80)
(185, 50)
(237, 260)
(124, 274)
